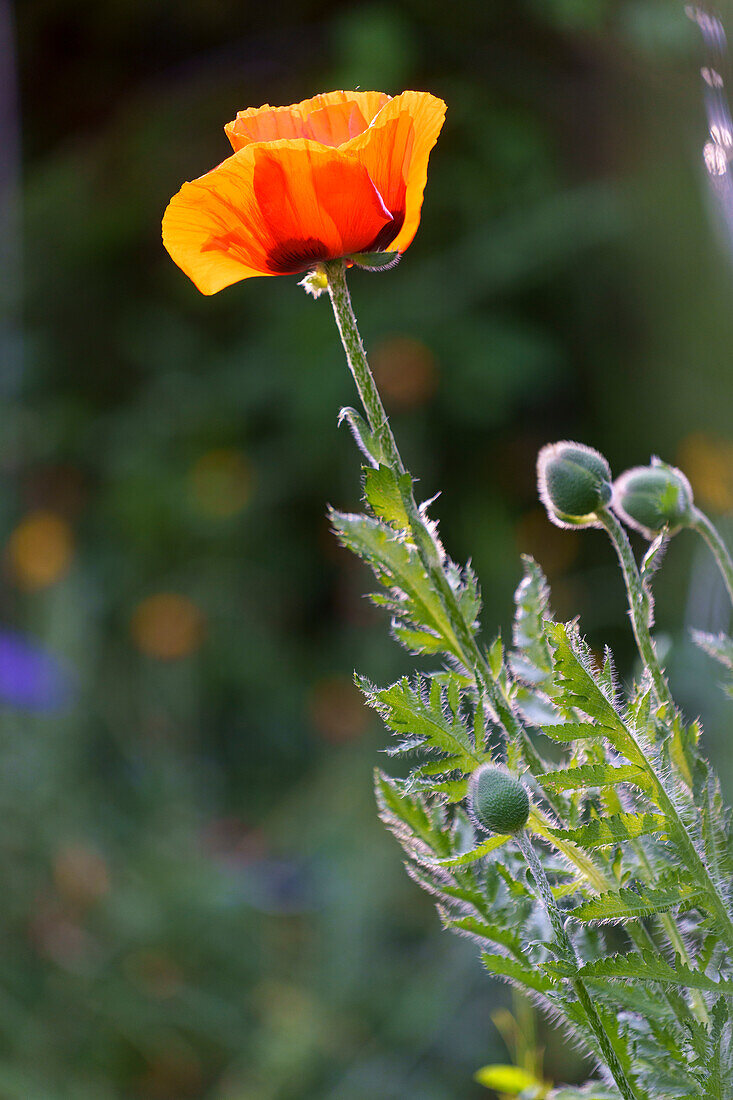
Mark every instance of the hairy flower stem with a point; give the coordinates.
(463, 642)
(567, 950)
(639, 605)
(704, 527)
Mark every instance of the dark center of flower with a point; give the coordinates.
(293, 256)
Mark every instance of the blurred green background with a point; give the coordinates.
(197, 898)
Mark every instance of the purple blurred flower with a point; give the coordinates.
(31, 678)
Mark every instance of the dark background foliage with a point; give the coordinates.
(197, 898)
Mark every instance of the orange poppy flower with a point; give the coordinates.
(334, 176)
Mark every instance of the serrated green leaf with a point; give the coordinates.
(428, 717)
(495, 656)
(502, 967)
(418, 641)
(583, 689)
(454, 790)
(601, 832)
(532, 599)
(566, 732)
(482, 929)
(651, 967)
(653, 559)
(366, 441)
(475, 854)
(628, 904)
(397, 564)
(573, 663)
(383, 490)
(593, 775)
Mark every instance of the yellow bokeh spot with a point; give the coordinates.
(167, 626)
(221, 483)
(708, 463)
(39, 550)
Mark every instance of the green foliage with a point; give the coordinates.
(632, 904)
(426, 716)
(647, 967)
(603, 832)
(628, 837)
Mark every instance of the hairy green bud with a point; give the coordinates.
(574, 482)
(497, 801)
(650, 498)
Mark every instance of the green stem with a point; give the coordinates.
(704, 527)
(568, 951)
(639, 605)
(466, 647)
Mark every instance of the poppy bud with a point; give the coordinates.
(650, 498)
(574, 483)
(497, 801)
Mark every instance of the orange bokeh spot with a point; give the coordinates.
(167, 626)
(40, 550)
(221, 483)
(708, 463)
(337, 710)
(405, 371)
(172, 1073)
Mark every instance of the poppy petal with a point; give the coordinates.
(308, 193)
(395, 151)
(272, 209)
(331, 119)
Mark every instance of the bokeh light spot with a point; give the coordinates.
(80, 875)
(708, 463)
(173, 1072)
(167, 626)
(221, 483)
(40, 550)
(337, 710)
(405, 371)
(31, 677)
